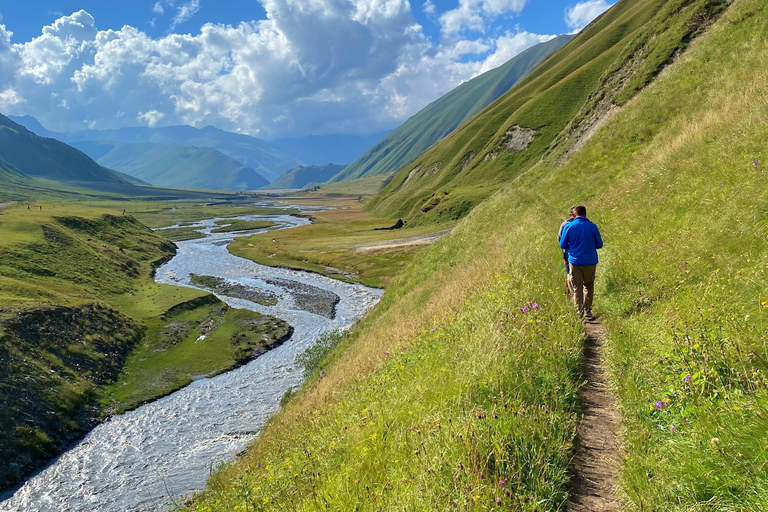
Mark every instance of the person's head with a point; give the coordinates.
(580, 211)
(571, 212)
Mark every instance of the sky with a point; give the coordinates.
(268, 68)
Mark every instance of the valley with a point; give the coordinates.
(395, 333)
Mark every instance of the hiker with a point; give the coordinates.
(581, 239)
(568, 283)
(41, 207)
(28, 208)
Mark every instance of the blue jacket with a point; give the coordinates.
(581, 239)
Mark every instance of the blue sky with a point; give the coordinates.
(309, 67)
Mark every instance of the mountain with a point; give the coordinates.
(173, 165)
(552, 110)
(42, 157)
(305, 176)
(255, 153)
(319, 149)
(470, 376)
(441, 117)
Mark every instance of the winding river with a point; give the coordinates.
(153, 457)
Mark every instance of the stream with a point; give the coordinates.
(156, 455)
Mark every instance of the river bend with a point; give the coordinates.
(151, 457)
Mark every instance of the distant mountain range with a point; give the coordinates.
(26, 153)
(174, 165)
(305, 176)
(251, 152)
(440, 118)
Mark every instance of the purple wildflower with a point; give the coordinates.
(535, 306)
(431, 330)
(755, 163)
(671, 429)
(498, 500)
(659, 405)
(501, 483)
(687, 378)
(386, 351)
(525, 309)
(722, 185)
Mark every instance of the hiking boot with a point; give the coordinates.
(588, 315)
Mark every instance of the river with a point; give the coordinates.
(154, 456)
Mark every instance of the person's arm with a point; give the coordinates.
(564, 238)
(598, 239)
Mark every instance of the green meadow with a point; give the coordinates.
(451, 396)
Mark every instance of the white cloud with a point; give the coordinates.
(185, 12)
(429, 7)
(581, 14)
(310, 67)
(510, 45)
(473, 15)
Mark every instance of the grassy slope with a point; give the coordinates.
(171, 165)
(58, 352)
(48, 158)
(620, 51)
(328, 246)
(416, 419)
(444, 115)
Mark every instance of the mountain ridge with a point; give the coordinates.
(444, 115)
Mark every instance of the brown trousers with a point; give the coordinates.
(583, 279)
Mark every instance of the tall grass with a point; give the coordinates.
(449, 396)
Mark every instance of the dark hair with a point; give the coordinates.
(581, 211)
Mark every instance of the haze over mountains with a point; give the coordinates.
(174, 165)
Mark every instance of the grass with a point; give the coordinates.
(558, 100)
(203, 341)
(81, 314)
(328, 246)
(234, 225)
(183, 233)
(427, 405)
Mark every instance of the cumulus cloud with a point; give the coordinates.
(185, 12)
(474, 14)
(429, 7)
(310, 67)
(581, 14)
(510, 45)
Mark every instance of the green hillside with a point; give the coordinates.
(549, 112)
(305, 176)
(169, 165)
(10, 174)
(452, 395)
(48, 158)
(441, 117)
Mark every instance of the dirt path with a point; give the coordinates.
(402, 242)
(596, 462)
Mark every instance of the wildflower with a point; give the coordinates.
(498, 500)
(525, 309)
(659, 405)
(714, 441)
(687, 378)
(386, 351)
(755, 162)
(671, 429)
(721, 185)
(501, 483)
(535, 306)
(431, 330)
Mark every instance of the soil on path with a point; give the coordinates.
(598, 448)
(404, 242)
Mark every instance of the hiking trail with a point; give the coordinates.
(598, 444)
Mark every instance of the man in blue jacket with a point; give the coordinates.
(581, 239)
